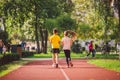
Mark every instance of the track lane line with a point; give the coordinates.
(65, 75)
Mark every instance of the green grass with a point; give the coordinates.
(61, 55)
(108, 56)
(107, 63)
(76, 55)
(5, 69)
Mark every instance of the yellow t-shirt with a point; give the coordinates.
(55, 41)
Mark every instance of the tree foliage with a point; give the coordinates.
(31, 13)
(66, 22)
(99, 15)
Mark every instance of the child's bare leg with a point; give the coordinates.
(56, 59)
(53, 60)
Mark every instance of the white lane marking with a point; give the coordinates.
(65, 75)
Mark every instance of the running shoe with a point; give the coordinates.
(53, 65)
(71, 65)
(56, 65)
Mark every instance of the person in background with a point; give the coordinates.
(4, 49)
(23, 44)
(94, 49)
(87, 47)
(66, 43)
(91, 49)
(8, 46)
(55, 42)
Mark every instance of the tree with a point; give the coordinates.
(85, 13)
(17, 12)
(66, 22)
(84, 31)
(50, 24)
(117, 6)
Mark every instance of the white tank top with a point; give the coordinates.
(67, 43)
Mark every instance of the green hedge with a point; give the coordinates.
(26, 54)
(76, 47)
(7, 58)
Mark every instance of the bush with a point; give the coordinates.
(26, 54)
(7, 58)
(76, 47)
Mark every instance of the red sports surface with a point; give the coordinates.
(42, 70)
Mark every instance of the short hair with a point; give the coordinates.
(55, 30)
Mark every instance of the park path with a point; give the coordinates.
(42, 70)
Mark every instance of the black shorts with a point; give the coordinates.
(55, 50)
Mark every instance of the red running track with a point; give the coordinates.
(42, 70)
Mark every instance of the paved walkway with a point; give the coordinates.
(42, 70)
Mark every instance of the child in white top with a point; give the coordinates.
(66, 43)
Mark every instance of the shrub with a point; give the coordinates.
(26, 54)
(7, 58)
(76, 47)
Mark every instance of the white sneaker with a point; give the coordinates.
(53, 65)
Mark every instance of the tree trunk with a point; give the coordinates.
(119, 21)
(36, 36)
(46, 39)
(42, 39)
(107, 14)
(36, 30)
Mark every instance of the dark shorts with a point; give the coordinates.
(55, 50)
